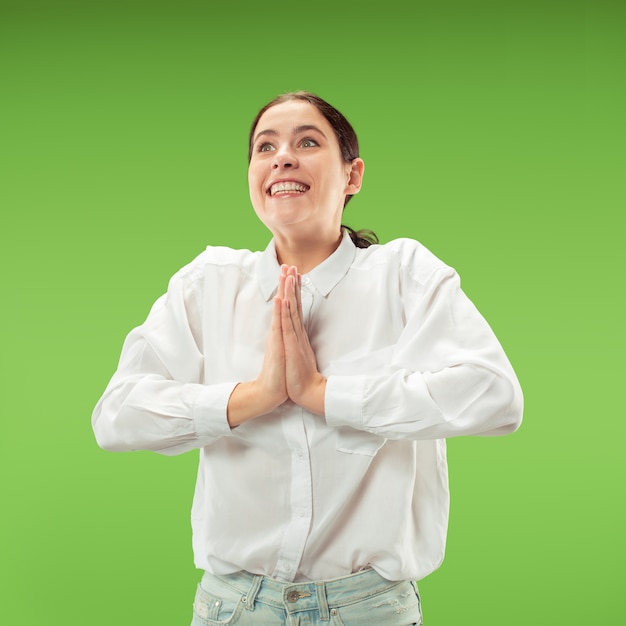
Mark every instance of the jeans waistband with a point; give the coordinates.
(306, 596)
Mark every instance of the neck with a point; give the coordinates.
(305, 253)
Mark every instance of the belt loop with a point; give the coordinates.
(253, 592)
(322, 602)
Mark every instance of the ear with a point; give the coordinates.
(355, 177)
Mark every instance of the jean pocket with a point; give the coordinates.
(397, 606)
(210, 609)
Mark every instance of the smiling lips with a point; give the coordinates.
(287, 187)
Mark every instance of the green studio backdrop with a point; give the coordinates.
(492, 132)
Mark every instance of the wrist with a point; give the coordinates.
(314, 396)
(249, 400)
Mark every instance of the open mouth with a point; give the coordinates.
(285, 188)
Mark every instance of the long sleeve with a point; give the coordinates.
(156, 399)
(446, 376)
(409, 361)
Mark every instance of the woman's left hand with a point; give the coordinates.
(305, 385)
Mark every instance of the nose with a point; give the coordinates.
(284, 158)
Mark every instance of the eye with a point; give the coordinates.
(265, 147)
(309, 143)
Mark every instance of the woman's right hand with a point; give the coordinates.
(271, 383)
(257, 397)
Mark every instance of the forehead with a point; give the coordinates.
(291, 114)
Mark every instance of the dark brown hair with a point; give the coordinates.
(348, 144)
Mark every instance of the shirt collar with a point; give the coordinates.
(324, 277)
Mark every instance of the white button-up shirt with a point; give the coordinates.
(293, 495)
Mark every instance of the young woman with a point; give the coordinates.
(319, 378)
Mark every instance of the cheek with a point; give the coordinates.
(251, 177)
(257, 195)
(336, 184)
(254, 183)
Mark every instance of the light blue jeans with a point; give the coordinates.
(364, 598)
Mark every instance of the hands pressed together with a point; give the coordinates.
(289, 369)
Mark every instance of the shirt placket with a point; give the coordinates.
(301, 488)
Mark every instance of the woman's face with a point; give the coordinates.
(298, 180)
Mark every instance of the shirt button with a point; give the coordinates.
(306, 280)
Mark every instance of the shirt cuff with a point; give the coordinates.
(209, 405)
(344, 400)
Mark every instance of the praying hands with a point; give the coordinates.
(289, 369)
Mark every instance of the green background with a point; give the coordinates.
(493, 132)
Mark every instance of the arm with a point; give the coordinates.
(155, 400)
(448, 374)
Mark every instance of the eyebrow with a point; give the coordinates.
(295, 131)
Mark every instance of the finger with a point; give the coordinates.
(292, 298)
(275, 342)
(297, 285)
(281, 287)
(299, 295)
(288, 330)
(276, 314)
(281, 280)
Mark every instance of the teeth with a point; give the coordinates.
(287, 187)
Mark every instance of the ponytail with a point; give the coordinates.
(363, 238)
